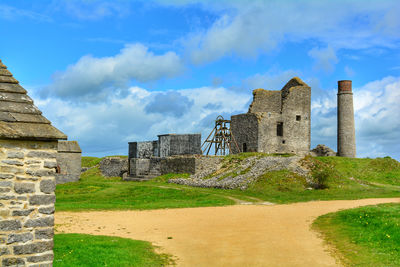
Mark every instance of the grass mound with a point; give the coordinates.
(87, 250)
(366, 236)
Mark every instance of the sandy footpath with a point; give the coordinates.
(240, 235)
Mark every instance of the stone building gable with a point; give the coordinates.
(19, 117)
(28, 151)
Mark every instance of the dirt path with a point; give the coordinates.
(240, 235)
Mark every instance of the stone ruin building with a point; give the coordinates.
(69, 162)
(277, 121)
(171, 153)
(28, 151)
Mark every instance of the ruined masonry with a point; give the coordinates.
(277, 121)
(28, 151)
(69, 162)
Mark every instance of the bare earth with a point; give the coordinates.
(240, 235)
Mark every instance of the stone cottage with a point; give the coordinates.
(28, 150)
(277, 121)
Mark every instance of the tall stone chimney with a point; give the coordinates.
(346, 137)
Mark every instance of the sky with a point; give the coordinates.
(111, 72)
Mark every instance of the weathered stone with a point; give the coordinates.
(37, 247)
(5, 190)
(10, 169)
(40, 222)
(40, 173)
(47, 186)
(4, 251)
(42, 155)
(22, 188)
(13, 162)
(322, 151)
(13, 262)
(47, 233)
(6, 176)
(5, 184)
(6, 197)
(15, 155)
(22, 212)
(47, 210)
(30, 178)
(19, 238)
(42, 200)
(113, 166)
(32, 161)
(45, 257)
(10, 225)
(50, 164)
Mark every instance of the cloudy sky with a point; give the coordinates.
(110, 72)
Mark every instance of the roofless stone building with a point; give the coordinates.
(277, 121)
(28, 150)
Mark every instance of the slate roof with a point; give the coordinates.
(19, 117)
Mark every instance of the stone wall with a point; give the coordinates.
(69, 160)
(113, 166)
(244, 128)
(27, 184)
(143, 150)
(179, 144)
(150, 168)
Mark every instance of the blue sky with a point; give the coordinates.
(110, 72)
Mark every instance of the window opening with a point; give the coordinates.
(244, 147)
(298, 118)
(279, 129)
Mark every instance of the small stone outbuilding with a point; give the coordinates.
(69, 161)
(28, 151)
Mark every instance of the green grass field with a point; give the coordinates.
(342, 178)
(87, 250)
(367, 236)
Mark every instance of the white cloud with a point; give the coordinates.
(376, 109)
(249, 28)
(349, 71)
(92, 76)
(105, 128)
(325, 58)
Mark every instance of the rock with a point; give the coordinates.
(322, 151)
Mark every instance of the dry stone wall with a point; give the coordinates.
(27, 184)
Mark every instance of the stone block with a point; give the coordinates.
(4, 251)
(40, 173)
(42, 155)
(15, 155)
(45, 257)
(13, 262)
(6, 176)
(47, 186)
(40, 222)
(13, 162)
(37, 247)
(22, 188)
(47, 210)
(47, 233)
(25, 212)
(25, 237)
(10, 225)
(50, 164)
(42, 200)
(5, 184)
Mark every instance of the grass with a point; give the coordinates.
(366, 236)
(87, 250)
(345, 179)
